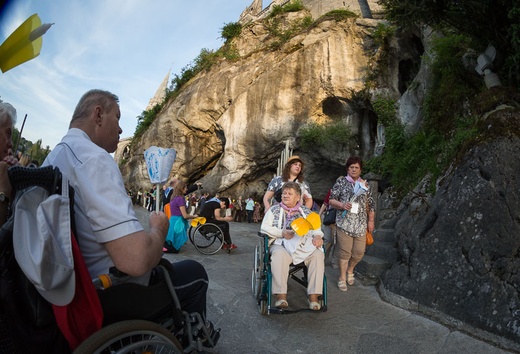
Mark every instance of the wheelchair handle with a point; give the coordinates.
(48, 177)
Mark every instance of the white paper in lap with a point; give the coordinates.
(159, 162)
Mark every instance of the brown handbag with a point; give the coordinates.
(370, 239)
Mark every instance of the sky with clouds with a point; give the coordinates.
(124, 46)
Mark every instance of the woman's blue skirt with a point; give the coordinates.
(177, 235)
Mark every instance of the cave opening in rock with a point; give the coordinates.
(409, 66)
(336, 107)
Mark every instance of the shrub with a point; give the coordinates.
(386, 110)
(338, 15)
(408, 158)
(282, 35)
(321, 135)
(293, 6)
(451, 85)
(382, 34)
(230, 30)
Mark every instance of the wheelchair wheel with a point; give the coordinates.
(133, 336)
(256, 274)
(263, 307)
(207, 238)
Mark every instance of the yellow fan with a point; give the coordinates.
(23, 44)
(198, 220)
(301, 226)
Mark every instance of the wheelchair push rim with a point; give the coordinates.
(131, 336)
(256, 274)
(207, 238)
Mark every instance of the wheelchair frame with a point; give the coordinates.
(261, 280)
(128, 335)
(165, 335)
(207, 238)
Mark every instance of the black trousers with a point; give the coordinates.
(224, 225)
(190, 282)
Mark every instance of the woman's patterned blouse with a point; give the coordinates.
(353, 224)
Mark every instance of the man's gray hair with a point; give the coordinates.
(7, 111)
(93, 98)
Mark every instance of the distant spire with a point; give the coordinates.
(160, 93)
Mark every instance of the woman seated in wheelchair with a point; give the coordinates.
(286, 247)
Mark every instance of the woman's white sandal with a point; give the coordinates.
(350, 279)
(314, 306)
(342, 285)
(281, 304)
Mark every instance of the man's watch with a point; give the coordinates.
(3, 198)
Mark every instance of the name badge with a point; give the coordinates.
(355, 208)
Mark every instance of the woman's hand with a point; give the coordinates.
(10, 160)
(5, 185)
(346, 206)
(317, 241)
(371, 226)
(287, 234)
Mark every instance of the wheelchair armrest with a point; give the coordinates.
(114, 277)
(262, 234)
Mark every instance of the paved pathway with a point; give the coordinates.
(357, 321)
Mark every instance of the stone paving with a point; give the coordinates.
(357, 321)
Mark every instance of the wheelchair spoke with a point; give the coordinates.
(207, 238)
(133, 336)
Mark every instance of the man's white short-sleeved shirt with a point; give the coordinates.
(103, 210)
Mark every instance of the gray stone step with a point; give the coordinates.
(384, 250)
(369, 270)
(385, 235)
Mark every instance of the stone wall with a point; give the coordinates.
(317, 8)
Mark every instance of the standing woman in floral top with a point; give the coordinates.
(353, 199)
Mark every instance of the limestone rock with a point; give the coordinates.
(230, 123)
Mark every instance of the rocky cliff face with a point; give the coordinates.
(230, 123)
(459, 248)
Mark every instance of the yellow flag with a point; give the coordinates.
(23, 44)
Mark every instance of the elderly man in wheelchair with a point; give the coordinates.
(102, 239)
(286, 247)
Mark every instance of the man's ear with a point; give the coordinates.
(98, 116)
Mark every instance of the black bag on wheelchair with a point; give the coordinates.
(27, 323)
(27, 319)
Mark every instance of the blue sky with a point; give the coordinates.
(124, 46)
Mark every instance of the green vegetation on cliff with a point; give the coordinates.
(447, 126)
(485, 22)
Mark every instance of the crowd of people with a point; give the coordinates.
(344, 239)
(109, 233)
(242, 210)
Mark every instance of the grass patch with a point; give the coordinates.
(338, 15)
